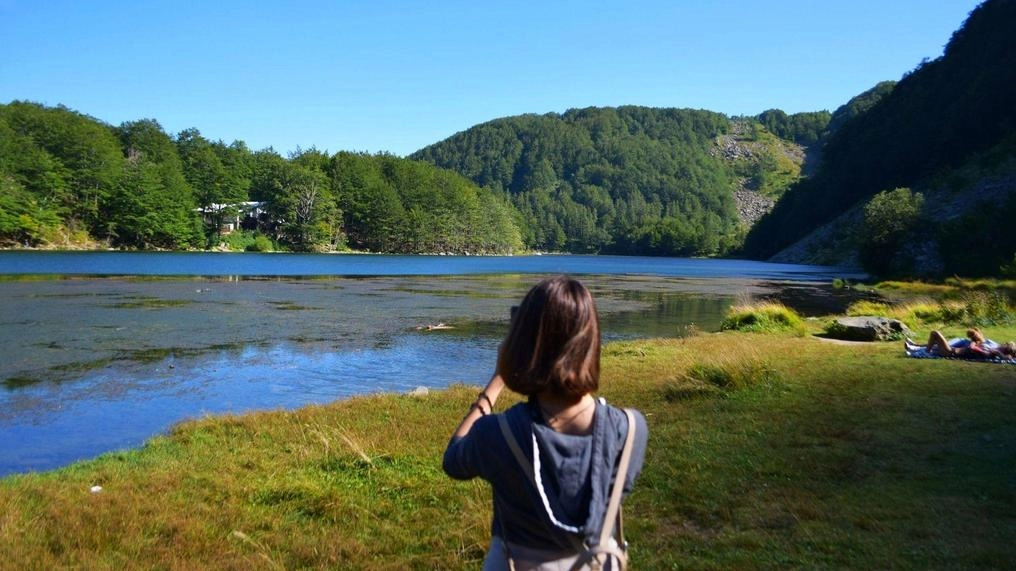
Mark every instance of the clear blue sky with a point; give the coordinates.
(386, 75)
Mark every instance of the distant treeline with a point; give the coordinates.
(627, 180)
(67, 179)
(630, 180)
(946, 126)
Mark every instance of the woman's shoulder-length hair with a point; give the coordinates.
(553, 343)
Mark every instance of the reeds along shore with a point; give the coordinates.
(767, 451)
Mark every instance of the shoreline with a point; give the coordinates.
(66, 248)
(848, 445)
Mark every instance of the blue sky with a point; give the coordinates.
(395, 76)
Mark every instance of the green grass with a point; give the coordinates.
(950, 288)
(765, 452)
(763, 317)
(971, 306)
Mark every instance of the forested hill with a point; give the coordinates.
(631, 179)
(945, 137)
(69, 180)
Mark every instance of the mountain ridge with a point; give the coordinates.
(629, 179)
(945, 129)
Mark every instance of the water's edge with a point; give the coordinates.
(102, 363)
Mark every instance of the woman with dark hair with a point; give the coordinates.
(552, 461)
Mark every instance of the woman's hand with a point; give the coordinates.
(482, 406)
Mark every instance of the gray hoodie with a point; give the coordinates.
(576, 473)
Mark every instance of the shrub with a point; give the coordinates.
(972, 308)
(916, 311)
(261, 244)
(765, 317)
(925, 310)
(980, 308)
(981, 241)
(248, 241)
(889, 217)
(1009, 270)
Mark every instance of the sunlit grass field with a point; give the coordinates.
(767, 451)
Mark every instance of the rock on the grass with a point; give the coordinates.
(868, 328)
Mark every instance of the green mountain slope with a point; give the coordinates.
(630, 180)
(942, 132)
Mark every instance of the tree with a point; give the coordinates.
(206, 174)
(67, 160)
(143, 213)
(300, 203)
(802, 128)
(149, 192)
(889, 218)
(153, 206)
(390, 204)
(23, 221)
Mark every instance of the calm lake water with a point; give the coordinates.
(101, 351)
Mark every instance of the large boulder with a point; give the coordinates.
(868, 328)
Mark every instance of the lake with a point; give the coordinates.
(102, 350)
(250, 264)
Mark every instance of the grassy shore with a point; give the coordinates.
(767, 451)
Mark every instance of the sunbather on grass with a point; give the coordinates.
(975, 346)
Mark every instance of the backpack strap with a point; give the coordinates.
(591, 555)
(598, 555)
(614, 506)
(513, 444)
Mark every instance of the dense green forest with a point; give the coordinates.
(631, 180)
(70, 180)
(923, 168)
(803, 128)
(925, 151)
(628, 180)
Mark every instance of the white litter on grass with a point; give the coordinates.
(95, 489)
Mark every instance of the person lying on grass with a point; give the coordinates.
(975, 346)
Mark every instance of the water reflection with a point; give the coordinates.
(667, 315)
(92, 365)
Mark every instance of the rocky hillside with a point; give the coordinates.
(761, 166)
(963, 202)
(944, 136)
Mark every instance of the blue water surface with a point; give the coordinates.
(279, 264)
(97, 355)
